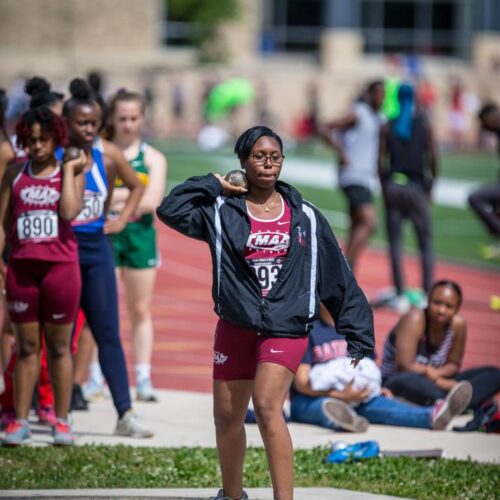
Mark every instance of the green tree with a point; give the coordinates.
(207, 16)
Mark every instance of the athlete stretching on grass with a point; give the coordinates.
(275, 259)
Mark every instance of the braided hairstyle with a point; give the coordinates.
(40, 92)
(81, 95)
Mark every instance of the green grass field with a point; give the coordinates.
(137, 467)
(458, 234)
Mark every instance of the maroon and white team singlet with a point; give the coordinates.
(268, 245)
(37, 231)
(237, 350)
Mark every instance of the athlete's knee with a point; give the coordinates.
(27, 348)
(475, 201)
(140, 312)
(266, 409)
(58, 349)
(226, 420)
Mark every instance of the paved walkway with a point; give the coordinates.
(185, 419)
(192, 494)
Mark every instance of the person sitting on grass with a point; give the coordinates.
(424, 352)
(357, 404)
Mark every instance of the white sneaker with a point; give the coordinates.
(145, 391)
(455, 403)
(130, 426)
(343, 416)
(399, 304)
(93, 391)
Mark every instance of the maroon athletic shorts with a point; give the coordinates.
(43, 291)
(238, 351)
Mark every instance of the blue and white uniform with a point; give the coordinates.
(99, 293)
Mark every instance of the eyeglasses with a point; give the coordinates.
(261, 159)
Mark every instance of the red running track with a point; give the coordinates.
(184, 320)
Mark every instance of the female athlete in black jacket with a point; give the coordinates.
(275, 258)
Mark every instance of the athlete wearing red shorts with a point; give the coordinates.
(38, 200)
(275, 259)
(238, 350)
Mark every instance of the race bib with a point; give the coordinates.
(93, 207)
(267, 271)
(37, 225)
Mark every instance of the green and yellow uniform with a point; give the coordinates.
(135, 246)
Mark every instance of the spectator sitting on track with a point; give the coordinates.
(350, 399)
(424, 352)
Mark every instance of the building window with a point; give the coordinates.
(422, 27)
(177, 31)
(292, 26)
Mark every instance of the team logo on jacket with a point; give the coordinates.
(268, 240)
(301, 236)
(40, 195)
(219, 358)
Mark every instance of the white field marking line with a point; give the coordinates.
(320, 173)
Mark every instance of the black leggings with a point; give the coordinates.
(486, 203)
(408, 202)
(422, 391)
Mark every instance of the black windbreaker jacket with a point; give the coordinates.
(314, 270)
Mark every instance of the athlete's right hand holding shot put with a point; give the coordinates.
(275, 260)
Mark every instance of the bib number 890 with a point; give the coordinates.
(36, 225)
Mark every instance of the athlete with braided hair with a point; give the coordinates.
(99, 295)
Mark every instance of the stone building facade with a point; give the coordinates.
(124, 39)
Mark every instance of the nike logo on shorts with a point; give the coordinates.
(274, 351)
(58, 316)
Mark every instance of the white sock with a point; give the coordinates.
(95, 373)
(142, 372)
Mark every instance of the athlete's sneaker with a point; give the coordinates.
(343, 416)
(78, 402)
(129, 425)
(8, 416)
(17, 433)
(145, 391)
(455, 403)
(400, 304)
(93, 391)
(46, 415)
(221, 496)
(62, 433)
(389, 298)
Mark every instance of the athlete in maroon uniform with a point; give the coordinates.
(37, 201)
(265, 251)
